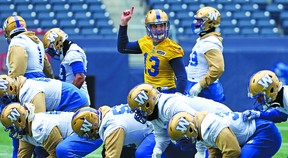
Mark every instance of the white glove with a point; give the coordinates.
(195, 90)
(250, 115)
(200, 155)
(157, 153)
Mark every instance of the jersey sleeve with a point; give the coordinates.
(227, 142)
(114, 143)
(275, 115)
(175, 50)
(17, 60)
(25, 149)
(53, 139)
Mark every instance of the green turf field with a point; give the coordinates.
(6, 147)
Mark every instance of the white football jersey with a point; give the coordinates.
(43, 123)
(198, 66)
(171, 104)
(34, 51)
(120, 116)
(51, 87)
(74, 54)
(284, 109)
(213, 123)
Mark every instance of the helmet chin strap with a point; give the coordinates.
(206, 32)
(66, 46)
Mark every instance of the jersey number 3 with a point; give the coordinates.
(154, 70)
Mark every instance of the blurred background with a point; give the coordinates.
(254, 31)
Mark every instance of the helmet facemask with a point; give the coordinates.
(140, 116)
(156, 34)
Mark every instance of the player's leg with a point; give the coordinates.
(145, 149)
(15, 143)
(265, 142)
(214, 91)
(75, 146)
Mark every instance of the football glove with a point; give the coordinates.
(248, 115)
(195, 90)
(157, 153)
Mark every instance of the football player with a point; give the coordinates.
(26, 55)
(46, 94)
(163, 58)
(270, 95)
(226, 134)
(73, 67)
(148, 103)
(206, 62)
(44, 129)
(117, 127)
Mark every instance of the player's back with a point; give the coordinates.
(35, 52)
(120, 116)
(242, 130)
(197, 103)
(43, 123)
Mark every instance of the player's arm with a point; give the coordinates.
(123, 44)
(215, 60)
(17, 60)
(178, 67)
(50, 144)
(25, 149)
(40, 102)
(79, 73)
(214, 152)
(47, 68)
(227, 142)
(275, 115)
(114, 143)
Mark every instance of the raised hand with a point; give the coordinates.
(126, 16)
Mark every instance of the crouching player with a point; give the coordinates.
(226, 134)
(46, 129)
(117, 127)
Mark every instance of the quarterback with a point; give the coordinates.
(26, 55)
(206, 62)
(73, 67)
(270, 95)
(116, 126)
(226, 134)
(44, 129)
(163, 58)
(148, 103)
